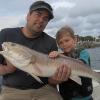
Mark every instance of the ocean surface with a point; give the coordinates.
(95, 57)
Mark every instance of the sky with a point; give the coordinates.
(82, 15)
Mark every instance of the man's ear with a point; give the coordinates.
(28, 16)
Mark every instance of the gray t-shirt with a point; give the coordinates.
(43, 43)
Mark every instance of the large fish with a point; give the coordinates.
(39, 64)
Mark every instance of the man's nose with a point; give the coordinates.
(41, 19)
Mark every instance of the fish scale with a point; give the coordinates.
(39, 64)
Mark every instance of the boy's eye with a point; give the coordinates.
(60, 43)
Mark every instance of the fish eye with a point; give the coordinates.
(12, 44)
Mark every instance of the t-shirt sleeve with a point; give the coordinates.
(2, 39)
(84, 56)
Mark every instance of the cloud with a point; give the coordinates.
(82, 15)
(10, 21)
(85, 8)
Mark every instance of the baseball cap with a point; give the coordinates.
(42, 5)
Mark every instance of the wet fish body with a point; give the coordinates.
(39, 64)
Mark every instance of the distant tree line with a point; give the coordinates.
(87, 38)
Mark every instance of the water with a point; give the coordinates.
(95, 57)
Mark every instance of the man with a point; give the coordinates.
(18, 85)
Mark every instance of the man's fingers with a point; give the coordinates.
(62, 73)
(65, 70)
(68, 73)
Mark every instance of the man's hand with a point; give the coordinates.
(10, 66)
(62, 74)
(6, 68)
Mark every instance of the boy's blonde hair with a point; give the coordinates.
(66, 30)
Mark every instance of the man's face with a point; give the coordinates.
(37, 20)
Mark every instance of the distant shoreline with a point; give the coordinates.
(89, 44)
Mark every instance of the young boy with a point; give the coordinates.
(69, 89)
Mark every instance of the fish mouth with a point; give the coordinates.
(4, 47)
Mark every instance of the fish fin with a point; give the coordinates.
(33, 61)
(76, 79)
(37, 69)
(37, 78)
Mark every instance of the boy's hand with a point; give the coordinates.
(53, 54)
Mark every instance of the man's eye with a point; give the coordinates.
(38, 13)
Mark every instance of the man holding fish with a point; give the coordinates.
(17, 84)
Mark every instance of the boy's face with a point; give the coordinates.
(67, 43)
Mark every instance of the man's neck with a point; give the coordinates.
(28, 34)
